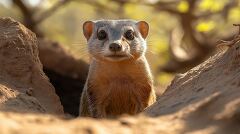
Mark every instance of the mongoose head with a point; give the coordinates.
(116, 40)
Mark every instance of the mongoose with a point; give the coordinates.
(119, 79)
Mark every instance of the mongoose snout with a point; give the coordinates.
(115, 47)
(119, 79)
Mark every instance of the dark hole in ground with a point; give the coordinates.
(68, 89)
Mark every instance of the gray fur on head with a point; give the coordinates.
(115, 32)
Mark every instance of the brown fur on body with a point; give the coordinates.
(118, 87)
(115, 89)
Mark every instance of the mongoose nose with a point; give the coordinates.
(115, 47)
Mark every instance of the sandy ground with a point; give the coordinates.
(204, 100)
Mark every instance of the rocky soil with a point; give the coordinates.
(204, 100)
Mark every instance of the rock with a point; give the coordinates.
(21, 72)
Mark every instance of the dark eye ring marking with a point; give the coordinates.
(101, 35)
(129, 35)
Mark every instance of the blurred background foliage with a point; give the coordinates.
(182, 32)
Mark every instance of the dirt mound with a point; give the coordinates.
(21, 72)
(66, 73)
(205, 100)
(39, 124)
(207, 96)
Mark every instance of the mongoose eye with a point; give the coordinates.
(102, 35)
(129, 35)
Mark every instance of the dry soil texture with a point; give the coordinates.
(204, 100)
(23, 85)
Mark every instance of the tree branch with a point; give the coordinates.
(99, 6)
(24, 9)
(224, 11)
(28, 18)
(164, 6)
(51, 10)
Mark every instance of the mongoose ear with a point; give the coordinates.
(143, 28)
(88, 29)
